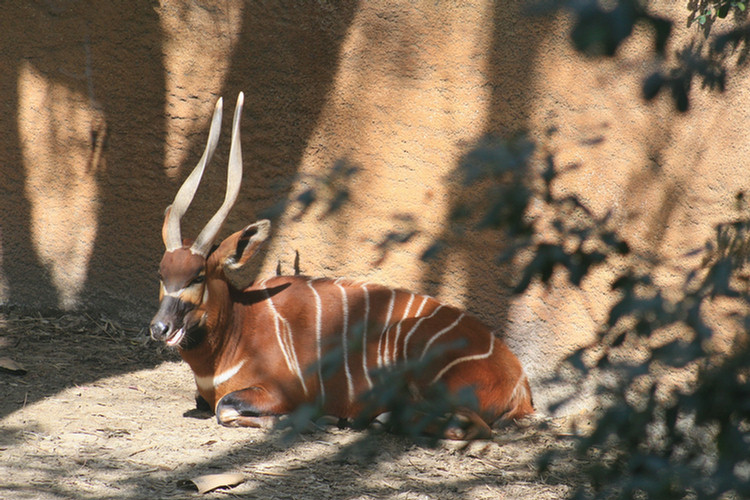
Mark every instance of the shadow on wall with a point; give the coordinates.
(284, 61)
(85, 92)
(84, 186)
(514, 48)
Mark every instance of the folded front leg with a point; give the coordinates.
(251, 407)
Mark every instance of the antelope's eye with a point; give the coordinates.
(197, 280)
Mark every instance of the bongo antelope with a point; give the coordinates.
(255, 346)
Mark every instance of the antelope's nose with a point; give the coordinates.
(159, 330)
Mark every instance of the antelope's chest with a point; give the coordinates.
(212, 386)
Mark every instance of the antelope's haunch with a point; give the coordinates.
(256, 348)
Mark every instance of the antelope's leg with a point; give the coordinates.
(461, 425)
(251, 407)
(201, 403)
(467, 425)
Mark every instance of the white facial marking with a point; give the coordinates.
(175, 294)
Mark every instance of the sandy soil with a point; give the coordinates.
(103, 413)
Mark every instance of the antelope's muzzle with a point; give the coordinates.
(168, 325)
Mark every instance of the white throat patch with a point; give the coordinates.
(210, 382)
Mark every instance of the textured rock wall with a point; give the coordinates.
(107, 109)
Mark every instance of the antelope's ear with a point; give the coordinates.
(237, 249)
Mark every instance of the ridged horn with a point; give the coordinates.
(234, 178)
(171, 229)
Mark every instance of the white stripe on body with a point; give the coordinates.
(364, 336)
(211, 382)
(385, 329)
(286, 341)
(415, 327)
(440, 334)
(398, 328)
(345, 340)
(318, 332)
(425, 298)
(472, 357)
(279, 338)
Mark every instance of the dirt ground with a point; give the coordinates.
(101, 412)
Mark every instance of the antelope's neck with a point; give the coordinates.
(206, 358)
